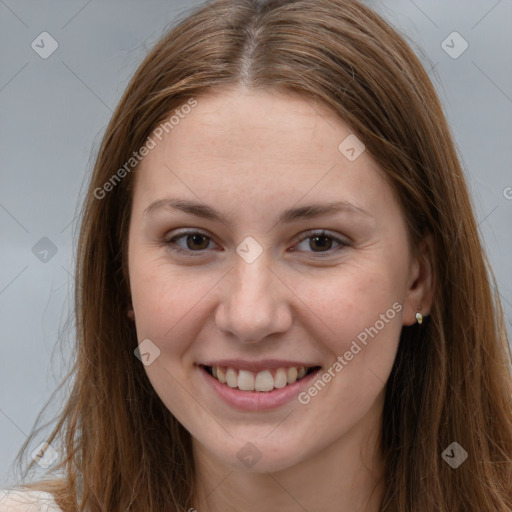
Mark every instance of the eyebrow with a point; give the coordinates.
(291, 215)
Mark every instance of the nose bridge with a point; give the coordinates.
(253, 305)
(252, 283)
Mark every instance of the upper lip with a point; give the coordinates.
(257, 366)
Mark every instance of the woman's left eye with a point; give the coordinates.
(195, 241)
(324, 241)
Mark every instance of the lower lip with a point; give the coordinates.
(257, 400)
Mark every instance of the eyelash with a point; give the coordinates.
(171, 242)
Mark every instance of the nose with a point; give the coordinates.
(254, 303)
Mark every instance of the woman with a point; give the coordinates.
(249, 372)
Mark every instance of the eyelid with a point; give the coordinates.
(184, 232)
(305, 235)
(323, 232)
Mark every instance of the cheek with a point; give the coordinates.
(166, 300)
(361, 316)
(352, 301)
(166, 303)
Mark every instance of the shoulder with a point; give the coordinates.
(15, 500)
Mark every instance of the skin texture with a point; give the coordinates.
(251, 155)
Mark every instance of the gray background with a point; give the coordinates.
(54, 111)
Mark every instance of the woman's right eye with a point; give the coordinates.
(193, 239)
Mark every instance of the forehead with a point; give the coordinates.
(257, 144)
(284, 126)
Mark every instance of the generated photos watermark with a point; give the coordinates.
(341, 361)
(137, 156)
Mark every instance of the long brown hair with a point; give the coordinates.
(451, 382)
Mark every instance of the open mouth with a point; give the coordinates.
(264, 381)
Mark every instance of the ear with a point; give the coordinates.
(421, 283)
(131, 314)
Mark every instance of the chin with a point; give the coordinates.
(258, 454)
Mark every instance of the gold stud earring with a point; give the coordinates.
(419, 316)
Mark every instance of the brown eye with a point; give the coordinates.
(322, 242)
(194, 242)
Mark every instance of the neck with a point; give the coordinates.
(346, 475)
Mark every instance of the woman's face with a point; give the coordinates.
(237, 278)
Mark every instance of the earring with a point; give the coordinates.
(419, 316)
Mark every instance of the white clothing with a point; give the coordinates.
(14, 500)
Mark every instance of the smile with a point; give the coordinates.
(262, 381)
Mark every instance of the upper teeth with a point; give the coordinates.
(262, 381)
